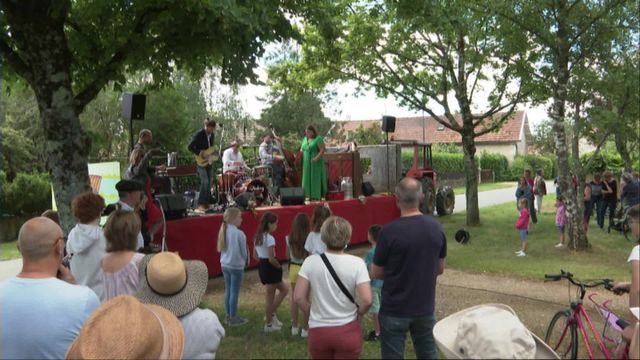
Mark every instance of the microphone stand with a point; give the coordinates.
(164, 226)
(215, 181)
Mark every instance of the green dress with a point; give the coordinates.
(314, 174)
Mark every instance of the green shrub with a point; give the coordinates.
(602, 162)
(496, 162)
(442, 162)
(3, 184)
(27, 194)
(533, 163)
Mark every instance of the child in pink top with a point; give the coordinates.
(523, 225)
(561, 219)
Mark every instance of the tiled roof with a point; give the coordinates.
(428, 129)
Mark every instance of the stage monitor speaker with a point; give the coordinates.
(133, 106)
(388, 123)
(173, 205)
(292, 196)
(367, 189)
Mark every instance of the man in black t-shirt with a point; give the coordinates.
(409, 257)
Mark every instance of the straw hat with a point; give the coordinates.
(124, 328)
(168, 281)
(489, 331)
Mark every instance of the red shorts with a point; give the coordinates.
(336, 342)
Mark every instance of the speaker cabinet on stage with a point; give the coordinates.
(173, 205)
(388, 123)
(133, 106)
(292, 196)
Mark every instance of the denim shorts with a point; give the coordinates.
(560, 228)
(524, 235)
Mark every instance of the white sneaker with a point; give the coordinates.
(521, 254)
(271, 328)
(294, 331)
(517, 252)
(304, 333)
(274, 320)
(559, 245)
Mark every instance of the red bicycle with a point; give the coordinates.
(562, 333)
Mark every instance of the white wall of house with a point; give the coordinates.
(508, 149)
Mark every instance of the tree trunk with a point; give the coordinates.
(471, 178)
(49, 74)
(621, 146)
(577, 238)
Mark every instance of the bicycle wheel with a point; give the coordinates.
(562, 335)
(626, 230)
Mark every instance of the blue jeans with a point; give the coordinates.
(393, 332)
(204, 173)
(232, 282)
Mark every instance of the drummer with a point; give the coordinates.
(269, 153)
(232, 161)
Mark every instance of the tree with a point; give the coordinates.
(67, 51)
(428, 54)
(568, 35)
(367, 136)
(289, 115)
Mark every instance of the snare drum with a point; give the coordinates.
(263, 171)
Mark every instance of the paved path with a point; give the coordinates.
(495, 197)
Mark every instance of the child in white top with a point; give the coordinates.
(314, 244)
(270, 270)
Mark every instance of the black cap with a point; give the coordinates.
(129, 186)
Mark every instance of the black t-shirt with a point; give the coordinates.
(410, 250)
(613, 185)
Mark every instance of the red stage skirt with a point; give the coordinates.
(195, 238)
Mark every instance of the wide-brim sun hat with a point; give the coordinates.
(488, 331)
(124, 328)
(169, 281)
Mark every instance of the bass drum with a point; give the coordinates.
(259, 189)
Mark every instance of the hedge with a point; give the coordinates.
(26, 194)
(442, 162)
(496, 162)
(533, 163)
(602, 162)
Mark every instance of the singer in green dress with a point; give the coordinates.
(314, 174)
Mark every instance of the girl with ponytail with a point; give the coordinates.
(232, 245)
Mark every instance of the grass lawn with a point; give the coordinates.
(493, 243)
(491, 250)
(486, 187)
(9, 251)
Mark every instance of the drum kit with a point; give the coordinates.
(255, 183)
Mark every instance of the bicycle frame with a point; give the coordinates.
(580, 315)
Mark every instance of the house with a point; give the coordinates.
(513, 138)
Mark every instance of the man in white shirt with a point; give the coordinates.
(268, 157)
(41, 315)
(232, 159)
(131, 194)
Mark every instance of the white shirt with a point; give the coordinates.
(329, 306)
(124, 206)
(314, 243)
(202, 334)
(263, 250)
(228, 158)
(266, 153)
(635, 254)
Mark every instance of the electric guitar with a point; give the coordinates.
(210, 155)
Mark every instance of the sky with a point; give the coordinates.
(365, 107)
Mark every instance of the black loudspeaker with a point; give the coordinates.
(367, 189)
(133, 106)
(292, 196)
(173, 205)
(388, 123)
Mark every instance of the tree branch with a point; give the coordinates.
(15, 61)
(105, 74)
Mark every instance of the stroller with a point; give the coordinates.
(621, 222)
(488, 331)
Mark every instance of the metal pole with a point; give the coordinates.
(130, 135)
(386, 134)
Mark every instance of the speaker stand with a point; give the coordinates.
(386, 134)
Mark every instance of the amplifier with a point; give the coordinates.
(173, 205)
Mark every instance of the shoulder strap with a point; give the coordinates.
(337, 279)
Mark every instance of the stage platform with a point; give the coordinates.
(195, 238)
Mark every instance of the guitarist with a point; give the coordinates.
(202, 141)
